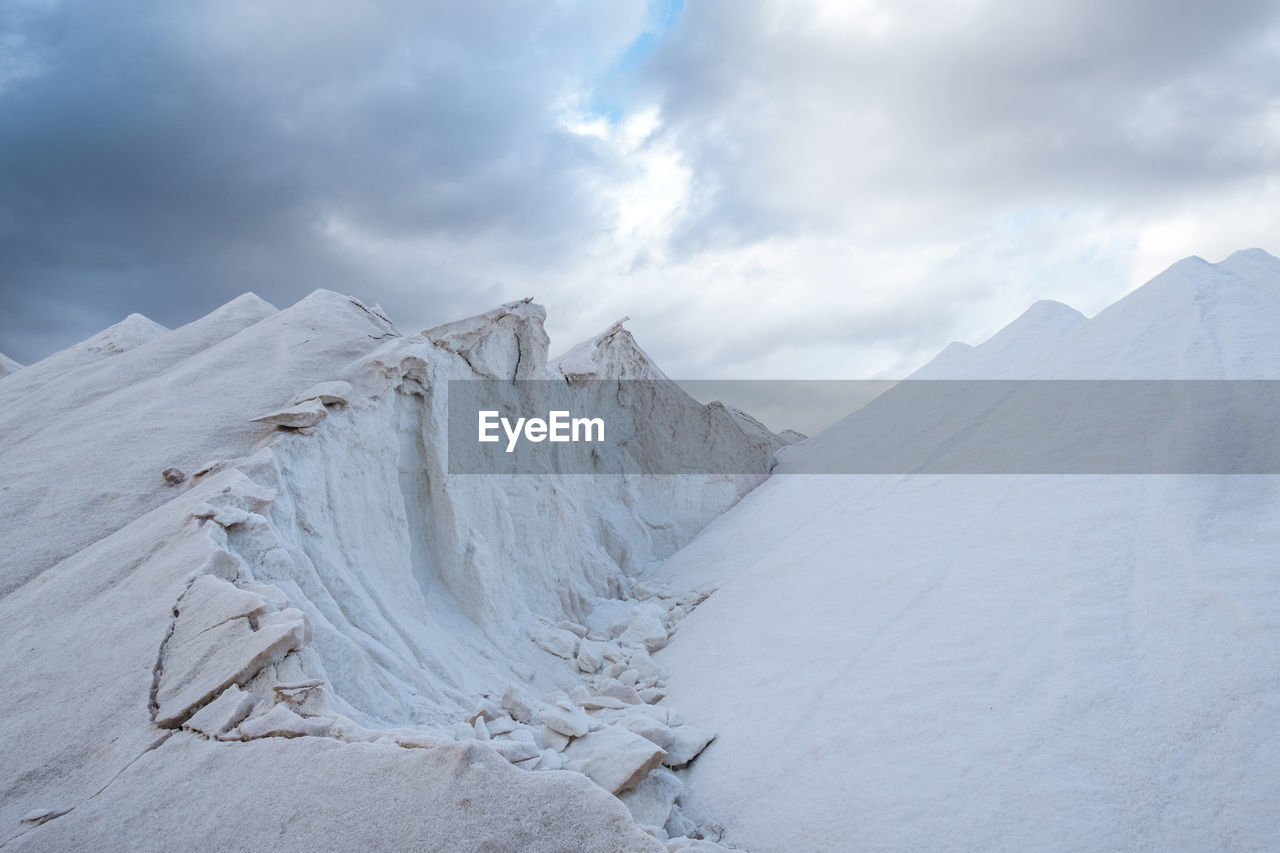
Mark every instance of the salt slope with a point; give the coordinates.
(1004, 663)
(156, 411)
(314, 580)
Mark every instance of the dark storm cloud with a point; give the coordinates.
(167, 157)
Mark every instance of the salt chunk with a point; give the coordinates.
(304, 414)
(618, 690)
(335, 393)
(230, 653)
(552, 739)
(222, 714)
(282, 722)
(590, 656)
(560, 643)
(573, 723)
(39, 816)
(614, 758)
(644, 665)
(500, 725)
(485, 709)
(517, 705)
(651, 801)
(515, 751)
(647, 630)
(649, 729)
(687, 742)
(572, 627)
(411, 739)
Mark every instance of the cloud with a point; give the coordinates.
(773, 188)
(925, 169)
(794, 121)
(167, 157)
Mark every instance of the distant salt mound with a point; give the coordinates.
(1013, 351)
(56, 388)
(1196, 320)
(613, 354)
(8, 365)
(130, 333)
(133, 331)
(612, 366)
(1002, 663)
(181, 572)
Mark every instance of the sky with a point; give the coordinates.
(770, 189)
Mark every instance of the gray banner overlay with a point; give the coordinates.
(908, 427)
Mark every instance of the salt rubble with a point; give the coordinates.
(319, 592)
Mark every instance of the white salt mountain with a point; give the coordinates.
(217, 621)
(983, 662)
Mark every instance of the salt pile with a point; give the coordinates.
(1074, 662)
